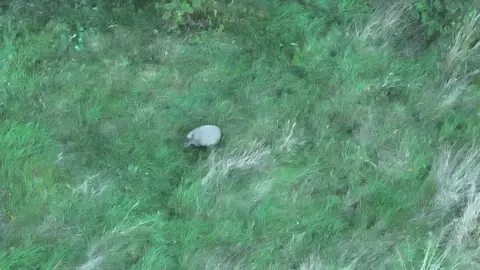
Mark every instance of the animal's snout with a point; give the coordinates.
(186, 141)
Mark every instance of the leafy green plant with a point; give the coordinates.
(175, 11)
(191, 14)
(431, 15)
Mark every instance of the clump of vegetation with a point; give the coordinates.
(348, 134)
(184, 15)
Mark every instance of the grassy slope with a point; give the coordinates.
(332, 155)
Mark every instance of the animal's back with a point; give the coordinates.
(207, 135)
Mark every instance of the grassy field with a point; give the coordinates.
(349, 126)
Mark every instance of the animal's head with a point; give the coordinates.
(188, 139)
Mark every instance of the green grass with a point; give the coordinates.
(342, 142)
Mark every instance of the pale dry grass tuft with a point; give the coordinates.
(291, 137)
(466, 227)
(394, 161)
(454, 91)
(214, 259)
(456, 87)
(261, 189)
(443, 253)
(459, 69)
(148, 74)
(54, 227)
(313, 262)
(93, 263)
(208, 74)
(457, 174)
(253, 156)
(120, 241)
(386, 23)
(432, 260)
(216, 263)
(167, 49)
(390, 158)
(143, 113)
(90, 187)
(460, 51)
